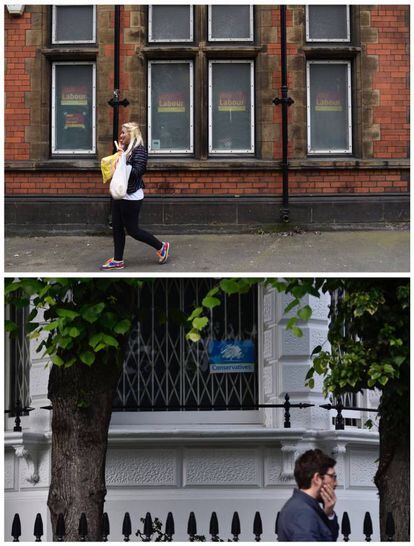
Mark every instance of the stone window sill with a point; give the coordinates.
(331, 52)
(71, 53)
(222, 52)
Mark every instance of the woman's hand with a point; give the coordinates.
(118, 147)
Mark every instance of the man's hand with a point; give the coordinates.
(328, 498)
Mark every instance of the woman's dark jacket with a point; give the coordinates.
(138, 160)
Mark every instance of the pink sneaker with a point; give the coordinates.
(112, 264)
(163, 253)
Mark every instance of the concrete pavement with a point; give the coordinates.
(296, 252)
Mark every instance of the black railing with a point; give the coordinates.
(152, 529)
(18, 411)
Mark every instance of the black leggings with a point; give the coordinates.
(125, 216)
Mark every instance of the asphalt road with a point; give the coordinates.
(347, 251)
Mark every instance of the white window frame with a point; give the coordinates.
(195, 419)
(211, 39)
(55, 41)
(172, 150)
(211, 150)
(349, 96)
(348, 29)
(170, 40)
(55, 151)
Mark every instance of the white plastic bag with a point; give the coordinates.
(119, 182)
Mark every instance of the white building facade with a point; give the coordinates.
(210, 459)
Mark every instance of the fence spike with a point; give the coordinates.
(367, 527)
(148, 529)
(257, 527)
(192, 526)
(60, 528)
(235, 527)
(83, 527)
(214, 527)
(390, 527)
(105, 527)
(345, 526)
(169, 527)
(16, 528)
(126, 527)
(38, 528)
(277, 524)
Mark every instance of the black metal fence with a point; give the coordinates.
(152, 529)
(338, 406)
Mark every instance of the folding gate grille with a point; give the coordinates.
(163, 368)
(19, 347)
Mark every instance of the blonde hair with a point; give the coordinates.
(135, 136)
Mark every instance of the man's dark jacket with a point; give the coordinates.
(303, 520)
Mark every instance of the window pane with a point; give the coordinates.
(74, 24)
(231, 107)
(230, 23)
(163, 368)
(170, 106)
(74, 107)
(328, 23)
(170, 23)
(329, 114)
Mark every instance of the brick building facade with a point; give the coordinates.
(348, 141)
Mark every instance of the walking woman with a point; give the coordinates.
(125, 212)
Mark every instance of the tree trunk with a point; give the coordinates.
(82, 404)
(393, 475)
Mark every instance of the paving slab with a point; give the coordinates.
(296, 252)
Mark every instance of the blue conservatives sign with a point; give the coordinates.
(231, 356)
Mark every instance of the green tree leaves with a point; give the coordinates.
(85, 320)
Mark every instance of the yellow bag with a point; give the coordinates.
(108, 165)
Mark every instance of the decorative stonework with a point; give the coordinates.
(273, 466)
(9, 470)
(269, 307)
(39, 379)
(34, 461)
(338, 452)
(222, 467)
(267, 381)
(142, 467)
(362, 468)
(289, 455)
(269, 342)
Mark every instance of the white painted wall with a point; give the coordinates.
(158, 463)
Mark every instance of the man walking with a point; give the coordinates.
(302, 518)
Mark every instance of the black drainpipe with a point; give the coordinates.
(115, 102)
(285, 101)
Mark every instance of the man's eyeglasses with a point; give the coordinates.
(333, 476)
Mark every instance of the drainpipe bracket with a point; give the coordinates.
(285, 100)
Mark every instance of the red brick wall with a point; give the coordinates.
(391, 79)
(16, 84)
(216, 183)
